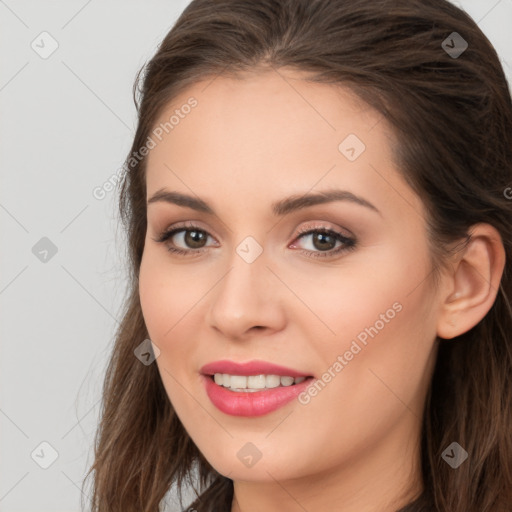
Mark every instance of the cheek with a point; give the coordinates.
(156, 303)
(166, 294)
(166, 301)
(382, 323)
(372, 288)
(172, 300)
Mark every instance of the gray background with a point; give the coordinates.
(66, 125)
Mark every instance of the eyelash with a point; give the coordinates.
(349, 243)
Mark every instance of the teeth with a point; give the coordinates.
(254, 382)
(272, 381)
(236, 381)
(287, 381)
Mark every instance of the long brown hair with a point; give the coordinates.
(452, 115)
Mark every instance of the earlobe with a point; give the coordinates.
(473, 283)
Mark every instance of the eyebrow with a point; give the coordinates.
(279, 208)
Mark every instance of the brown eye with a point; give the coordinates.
(323, 241)
(185, 241)
(194, 239)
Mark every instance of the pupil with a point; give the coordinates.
(194, 239)
(322, 238)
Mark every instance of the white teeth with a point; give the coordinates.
(238, 381)
(287, 381)
(254, 382)
(272, 381)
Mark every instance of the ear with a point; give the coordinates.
(473, 282)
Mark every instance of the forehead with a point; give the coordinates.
(270, 133)
(270, 108)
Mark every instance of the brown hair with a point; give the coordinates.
(453, 119)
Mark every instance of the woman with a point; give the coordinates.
(320, 242)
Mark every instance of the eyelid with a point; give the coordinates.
(323, 225)
(296, 233)
(182, 226)
(179, 227)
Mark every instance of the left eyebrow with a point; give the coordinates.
(279, 208)
(300, 201)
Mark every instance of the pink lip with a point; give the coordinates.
(255, 403)
(255, 367)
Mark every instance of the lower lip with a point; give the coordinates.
(256, 403)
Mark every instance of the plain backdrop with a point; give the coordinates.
(67, 122)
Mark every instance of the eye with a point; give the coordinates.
(324, 242)
(186, 240)
(189, 240)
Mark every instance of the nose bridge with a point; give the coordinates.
(241, 289)
(245, 297)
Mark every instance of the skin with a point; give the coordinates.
(248, 143)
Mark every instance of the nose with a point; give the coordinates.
(247, 299)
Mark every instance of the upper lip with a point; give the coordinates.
(255, 367)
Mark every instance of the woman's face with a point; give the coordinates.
(336, 289)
